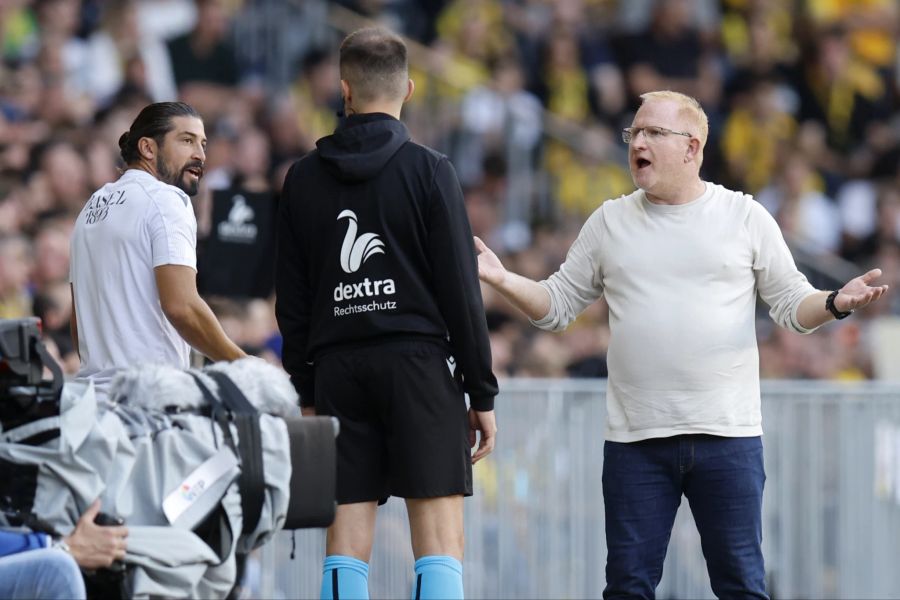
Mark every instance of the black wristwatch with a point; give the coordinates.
(829, 305)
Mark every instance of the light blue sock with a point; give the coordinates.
(344, 578)
(438, 578)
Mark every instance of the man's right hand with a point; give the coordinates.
(490, 269)
(94, 546)
(530, 297)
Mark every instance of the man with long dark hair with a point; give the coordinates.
(134, 258)
(383, 323)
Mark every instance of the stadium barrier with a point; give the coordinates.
(534, 528)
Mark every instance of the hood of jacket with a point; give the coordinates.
(362, 144)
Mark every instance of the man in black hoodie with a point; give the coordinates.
(379, 304)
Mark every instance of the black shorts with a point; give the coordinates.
(404, 424)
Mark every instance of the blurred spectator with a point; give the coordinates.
(839, 91)
(500, 117)
(888, 255)
(758, 38)
(237, 258)
(15, 271)
(102, 163)
(21, 89)
(19, 29)
(51, 252)
(285, 135)
(547, 355)
(563, 84)
(803, 212)
(872, 26)
(484, 212)
(11, 212)
(636, 15)
(122, 55)
(669, 55)
(270, 36)
(588, 170)
(62, 176)
(251, 324)
(65, 63)
(475, 29)
(53, 305)
(167, 19)
(204, 61)
(591, 25)
(587, 345)
(316, 96)
(857, 202)
(756, 130)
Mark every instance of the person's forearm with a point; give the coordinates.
(199, 327)
(527, 295)
(812, 312)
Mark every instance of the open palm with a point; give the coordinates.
(857, 292)
(490, 269)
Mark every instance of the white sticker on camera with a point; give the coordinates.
(200, 481)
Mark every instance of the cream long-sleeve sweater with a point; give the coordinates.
(681, 283)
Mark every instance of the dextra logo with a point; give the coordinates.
(356, 250)
(239, 226)
(240, 213)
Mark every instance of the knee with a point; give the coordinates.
(60, 572)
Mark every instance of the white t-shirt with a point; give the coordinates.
(125, 230)
(681, 283)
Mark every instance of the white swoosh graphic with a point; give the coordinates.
(356, 250)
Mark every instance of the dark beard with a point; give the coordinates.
(169, 176)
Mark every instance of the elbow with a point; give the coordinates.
(788, 317)
(557, 327)
(551, 322)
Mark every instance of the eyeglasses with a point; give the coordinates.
(652, 133)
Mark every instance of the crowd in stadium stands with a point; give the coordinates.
(527, 97)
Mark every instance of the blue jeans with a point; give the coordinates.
(722, 479)
(45, 574)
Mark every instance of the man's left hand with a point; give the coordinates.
(858, 293)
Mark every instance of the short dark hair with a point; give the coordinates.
(373, 61)
(154, 121)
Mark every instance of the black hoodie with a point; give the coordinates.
(374, 245)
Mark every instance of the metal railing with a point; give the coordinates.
(534, 528)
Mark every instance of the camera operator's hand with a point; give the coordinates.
(94, 546)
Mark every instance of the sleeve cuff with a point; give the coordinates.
(307, 393)
(795, 322)
(482, 403)
(549, 321)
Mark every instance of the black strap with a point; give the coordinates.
(252, 480)
(218, 413)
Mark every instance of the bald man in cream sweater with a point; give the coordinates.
(680, 262)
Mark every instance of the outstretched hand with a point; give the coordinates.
(858, 292)
(490, 269)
